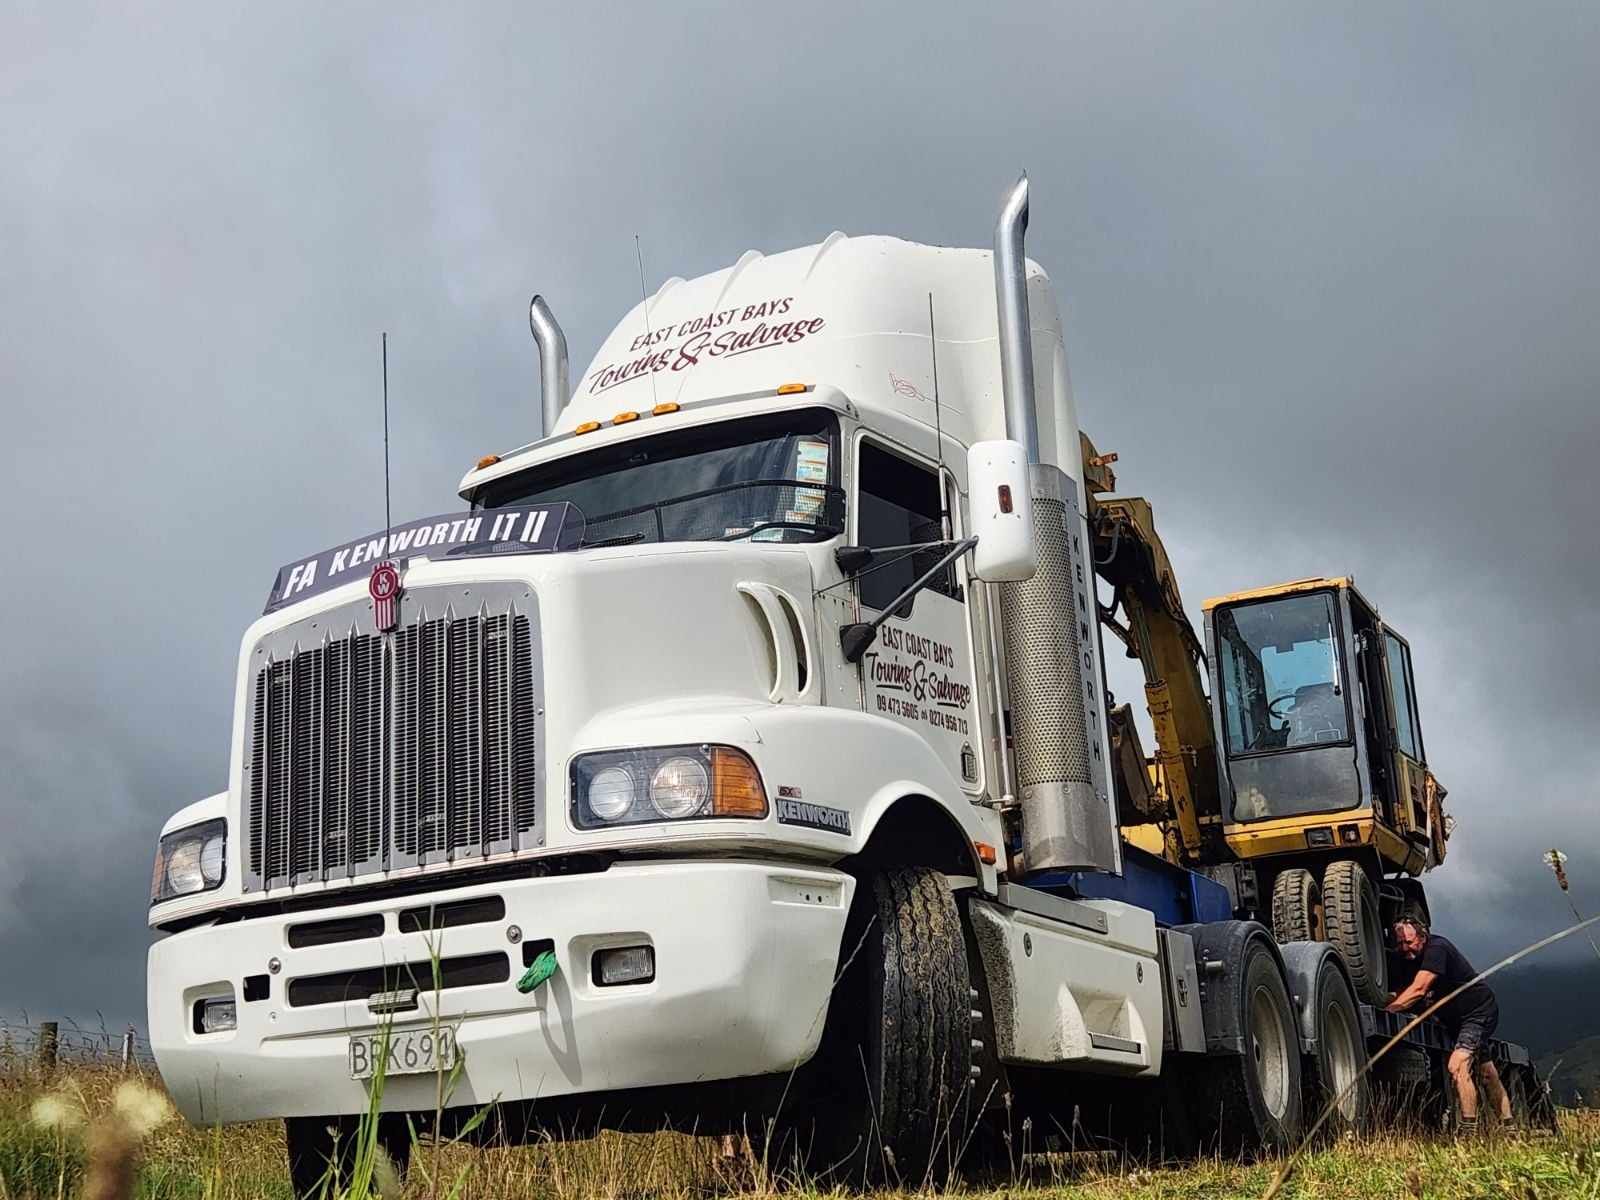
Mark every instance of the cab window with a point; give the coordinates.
(1405, 724)
(898, 505)
(1282, 684)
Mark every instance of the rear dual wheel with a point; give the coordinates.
(1252, 1101)
(1334, 1074)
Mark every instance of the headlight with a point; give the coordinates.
(190, 860)
(672, 783)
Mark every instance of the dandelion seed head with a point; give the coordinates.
(143, 1109)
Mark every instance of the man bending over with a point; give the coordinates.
(1471, 1017)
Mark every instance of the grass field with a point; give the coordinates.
(83, 1141)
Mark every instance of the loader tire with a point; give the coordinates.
(1335, 1071)
(1252, 1102)
(1297, 907)
(1355, 927)
(893, 1108)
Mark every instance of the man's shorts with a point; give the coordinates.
(1475, 1030)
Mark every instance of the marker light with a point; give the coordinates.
(587, 427)
(789, 389)
(488, 460)
(663, 409)
(622, 418)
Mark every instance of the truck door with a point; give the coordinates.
(920, 670)
(1410, 771)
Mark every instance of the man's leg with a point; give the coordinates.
(1460, 1067)
(1499, 1100)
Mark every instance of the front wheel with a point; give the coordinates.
(891, 1104)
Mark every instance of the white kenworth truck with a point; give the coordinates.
(737, 760)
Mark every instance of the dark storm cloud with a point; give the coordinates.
(1330, 277)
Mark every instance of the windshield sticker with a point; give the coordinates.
(813, 816)
(726, 333)
(534, 529)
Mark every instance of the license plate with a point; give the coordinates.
(411, 1052)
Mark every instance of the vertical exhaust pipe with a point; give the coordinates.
(1016, 337)
(552, 343)
(1068, 823)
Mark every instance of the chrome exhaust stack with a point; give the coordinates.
(1050, 620)
(553, 381)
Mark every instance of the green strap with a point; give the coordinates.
(542, 969)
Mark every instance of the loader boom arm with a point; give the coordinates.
(1130, 557)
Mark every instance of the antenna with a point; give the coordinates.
(644, 297)
(938, 428)
(388, 520)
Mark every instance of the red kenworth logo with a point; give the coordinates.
(384, 588)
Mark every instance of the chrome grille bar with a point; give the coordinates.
(369, 752)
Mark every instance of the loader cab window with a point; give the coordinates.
(898, 504)
(1282, 680)
(1398, 657)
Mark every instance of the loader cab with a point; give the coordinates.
(1317, 723)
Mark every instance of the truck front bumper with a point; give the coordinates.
(745, 955)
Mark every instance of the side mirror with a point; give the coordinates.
(1002, 512)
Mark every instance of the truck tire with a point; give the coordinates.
(1252, 1101)
(314, 1143)
(1355, 928)
(893, 1094)
(1335, 1070)
(1297, 907)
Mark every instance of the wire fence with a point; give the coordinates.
(27, 1043)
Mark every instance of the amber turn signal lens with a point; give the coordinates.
(736, 789)
(985, 853)
(662, 410)
(488, 460)
(789, 389)
(587, 427)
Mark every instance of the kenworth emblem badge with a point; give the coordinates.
(384, 588)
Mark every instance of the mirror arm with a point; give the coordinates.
(854, 639)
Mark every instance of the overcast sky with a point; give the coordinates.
(1330, 275)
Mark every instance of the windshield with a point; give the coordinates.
(1281, 684)
(765, 479)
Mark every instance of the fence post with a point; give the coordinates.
(127, 1048)
(49, 1041)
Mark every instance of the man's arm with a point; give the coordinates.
(1416, 990)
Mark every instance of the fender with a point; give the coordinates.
(1219, 948)
(872, 767)
(1302, 964)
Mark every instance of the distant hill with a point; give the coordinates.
(1574, 1073)
(1549, 1008)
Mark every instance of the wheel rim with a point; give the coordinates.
(1269, 1052)
(1343, 1066)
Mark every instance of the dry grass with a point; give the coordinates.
(177, 1162)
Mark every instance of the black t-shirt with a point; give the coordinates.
(1451, 969)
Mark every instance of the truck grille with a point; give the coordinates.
(367, 752)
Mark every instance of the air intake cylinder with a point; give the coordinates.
(1068, 822)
